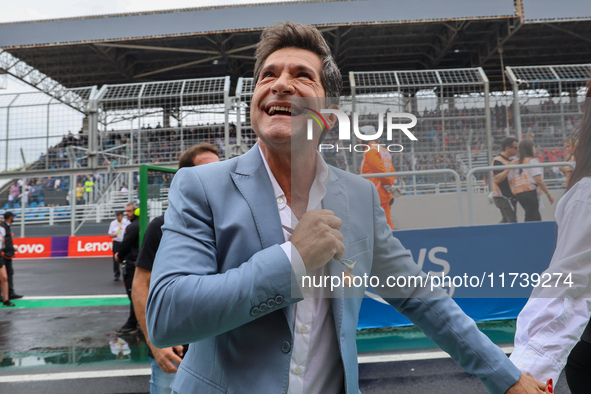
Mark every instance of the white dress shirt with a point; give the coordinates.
(552, 321)
(316, 365)
(118, 228)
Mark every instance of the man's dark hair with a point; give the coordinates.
(187, 157)
(289, 34)
(508, 142)
(8, 215)
(526, 149)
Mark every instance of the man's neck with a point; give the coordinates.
(294, 172)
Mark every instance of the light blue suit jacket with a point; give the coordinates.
(222, 283)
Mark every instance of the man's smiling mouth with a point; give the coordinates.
(283, 110)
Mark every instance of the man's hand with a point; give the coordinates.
(550, 198)
(527, 385)
(117, 258)
(317, 238)
(168, 357)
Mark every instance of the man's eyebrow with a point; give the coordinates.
(271, 67)
(306, 69)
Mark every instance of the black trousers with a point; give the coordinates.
(508, 208)
(578, 368)
(531, 205)
(128, 280)
(116, 265)
(9, 273)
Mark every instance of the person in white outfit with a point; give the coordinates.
(552, 329)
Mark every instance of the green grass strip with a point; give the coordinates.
(404, 338)
(68, 303)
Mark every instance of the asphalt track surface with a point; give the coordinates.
(61, 338)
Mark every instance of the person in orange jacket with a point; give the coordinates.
(378, 160)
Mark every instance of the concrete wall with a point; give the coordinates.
(441, 210)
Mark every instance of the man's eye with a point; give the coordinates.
(304, 75)
(267, 74)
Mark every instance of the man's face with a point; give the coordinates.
(119, 217)
(205, 158)
(513, 150)
(129, 212)
(287, 74)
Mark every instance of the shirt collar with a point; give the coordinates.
(318, 189)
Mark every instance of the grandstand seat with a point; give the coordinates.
(6, 206)
(33, 204)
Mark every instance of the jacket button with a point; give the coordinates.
(279, 300)
(270, 302)
(285, 347)
(263, 307)
(254, 311)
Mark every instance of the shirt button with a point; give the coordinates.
(533, 353)
(303, 329)
(297, 370)
(279, 200)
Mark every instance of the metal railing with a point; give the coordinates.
(496, 168)
(63, 214)
(425, 172)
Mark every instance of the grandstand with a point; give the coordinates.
(119, 99)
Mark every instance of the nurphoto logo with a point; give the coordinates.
(345, 129)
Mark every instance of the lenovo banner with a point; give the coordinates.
(27, 248)
(91, 246)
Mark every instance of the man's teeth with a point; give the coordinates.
(277, 108)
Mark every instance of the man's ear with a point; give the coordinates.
(331, 120)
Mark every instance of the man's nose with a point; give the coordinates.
(283, 84)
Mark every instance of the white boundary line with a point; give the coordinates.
(76, 375)
(432, 355)
(429, 355)
(71, 297)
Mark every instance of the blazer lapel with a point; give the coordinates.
(252, 180)
(337, 200)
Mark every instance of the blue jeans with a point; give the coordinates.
(160, 381)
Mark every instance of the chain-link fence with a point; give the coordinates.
(550, 108)
(102, 136)
(452, 110)
(550, 101)
(154, 122)
(38, 131)
(244, 91)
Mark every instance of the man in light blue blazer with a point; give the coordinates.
(240, 236)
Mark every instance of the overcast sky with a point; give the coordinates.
(27, 10)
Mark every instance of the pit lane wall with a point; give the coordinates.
(477, 251)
